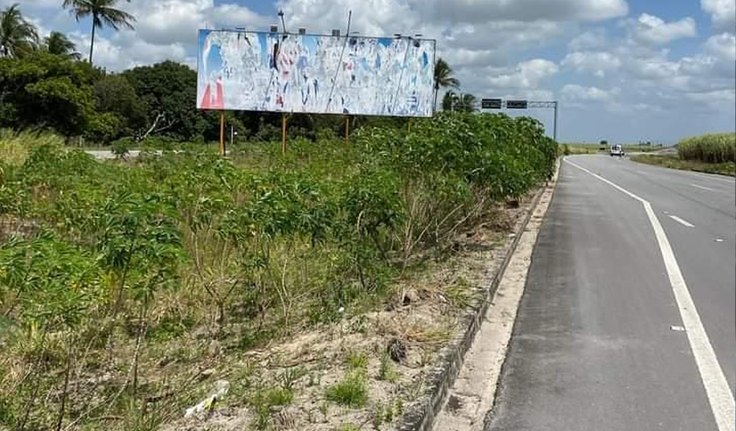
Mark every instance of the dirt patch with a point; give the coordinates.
(390, 353)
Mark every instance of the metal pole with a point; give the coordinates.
(232, 135)
(283, 134)
(555, 127)
(347, 129)
(222, 133)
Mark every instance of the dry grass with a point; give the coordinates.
(15, 146)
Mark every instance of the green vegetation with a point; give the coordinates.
(711, 148)
(110, 267)
(674, 162)
(357, 361)
(352, 391)
(387, 370)
(711, 153)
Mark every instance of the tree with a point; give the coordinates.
(17, 36)
(449, 101)
(467, 103)
(463, 102)
(113, 94)
(58, 44)
(47, 91)
(443, 78)
(102, 13)
(168, 91)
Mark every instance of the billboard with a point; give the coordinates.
(277, 72)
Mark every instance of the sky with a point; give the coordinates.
(624, 71)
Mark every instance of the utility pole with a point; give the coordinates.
(554, 130)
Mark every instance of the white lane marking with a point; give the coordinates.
(702, 188)
(681, 221)
(716, 386)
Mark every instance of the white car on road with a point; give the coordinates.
(617, 150)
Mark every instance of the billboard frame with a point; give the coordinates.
(343, 37)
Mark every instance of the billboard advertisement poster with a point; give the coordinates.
(277, 72)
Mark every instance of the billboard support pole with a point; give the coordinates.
(347, 129)
(222, 133)
(283, 134)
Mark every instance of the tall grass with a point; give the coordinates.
(15, 146)
(710, 148)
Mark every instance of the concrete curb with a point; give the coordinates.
(422, 416)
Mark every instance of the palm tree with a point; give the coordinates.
(57, 43)
(102, 13)
(463, 102)
(467, 103)
(449, 101)
(17, 36)
(443, 78)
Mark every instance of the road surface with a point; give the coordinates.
(109, 155)
(605, 337)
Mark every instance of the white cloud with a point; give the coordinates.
(722, 46)
(575, 93)
(589, 40)
(162, 22)
(31, 4)
(527, 75)
(597, 63)
(125, 51)
(722, 13)
(370, 17)
(653, 30)
(479, 11)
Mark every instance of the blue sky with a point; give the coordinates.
(622, 70)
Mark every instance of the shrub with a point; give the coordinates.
(711, 148)
(352, 391)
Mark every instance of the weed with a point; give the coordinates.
(291, 376)
(357, 361)
(265, 400)
(280, 397)
(387, 370)
(352, 391)
(349, 427)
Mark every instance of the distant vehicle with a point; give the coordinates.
(617, 150)
(603, 145)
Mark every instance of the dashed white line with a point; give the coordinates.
(702, 188)
(716, 386)
(681, 221)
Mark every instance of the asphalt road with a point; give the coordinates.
(109, 155)
(594, 346)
